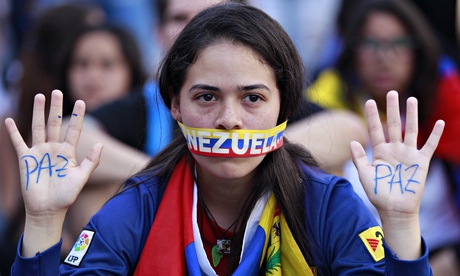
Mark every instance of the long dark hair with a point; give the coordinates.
(425, 75)
(129, 49)
(249, 26)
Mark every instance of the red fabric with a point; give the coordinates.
(173, 222)
(446, 106)
(209, 240)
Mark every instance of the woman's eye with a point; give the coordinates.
(207, 97)
(252, 98)
(108, 64)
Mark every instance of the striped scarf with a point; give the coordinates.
(174, 246)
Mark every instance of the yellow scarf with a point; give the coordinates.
(283, 255)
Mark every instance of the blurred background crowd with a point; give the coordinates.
(106, 52)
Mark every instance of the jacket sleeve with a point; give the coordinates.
(44, 263)
(394, 266)
(111, 243)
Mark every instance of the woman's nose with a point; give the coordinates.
(229, 117)
(92, 72)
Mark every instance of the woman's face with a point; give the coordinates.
(228, 87)
(384, 58)
(98, 71)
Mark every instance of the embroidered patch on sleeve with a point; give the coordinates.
(372, 239)
(80, 248)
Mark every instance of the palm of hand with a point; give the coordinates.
(395, 180)
(51, 179)
(50, 176)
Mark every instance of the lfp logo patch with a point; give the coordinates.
(80, 248)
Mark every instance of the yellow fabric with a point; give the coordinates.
(327, 91)
(372, 239)
(283, 255)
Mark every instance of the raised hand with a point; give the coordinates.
(395, 180)
(51, 179)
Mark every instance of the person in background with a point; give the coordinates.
(211, 207)
(389, 45)
(101, 64)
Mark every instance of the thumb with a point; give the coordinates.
(358, 156)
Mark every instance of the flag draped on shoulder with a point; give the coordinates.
(170, 247)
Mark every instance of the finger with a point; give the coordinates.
(55, 117)
(373, 123)
(393, 117)
(91, 161)
(16, 138)
(75, 124)
(411, 129)
(38, 120)
(432, 142)
(358, 155)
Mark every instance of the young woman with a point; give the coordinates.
(101, 64)
(229, 196)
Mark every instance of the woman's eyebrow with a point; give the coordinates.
(254, 87)
(204, 87)
(240, 87)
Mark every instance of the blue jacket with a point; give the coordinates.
(335, 218)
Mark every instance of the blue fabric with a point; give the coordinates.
(335, 218)
(192, 260)
(252, 256)
(446, 66)
(39, 266)
(395, 269)
(159, 121)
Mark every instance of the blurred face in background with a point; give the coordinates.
(98, 73)
(385, 56)
(178, 13)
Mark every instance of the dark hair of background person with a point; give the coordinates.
(160, 7)
(442, 16)
(279, 171)
(41, 52)
(129, 49)
(426, 52)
